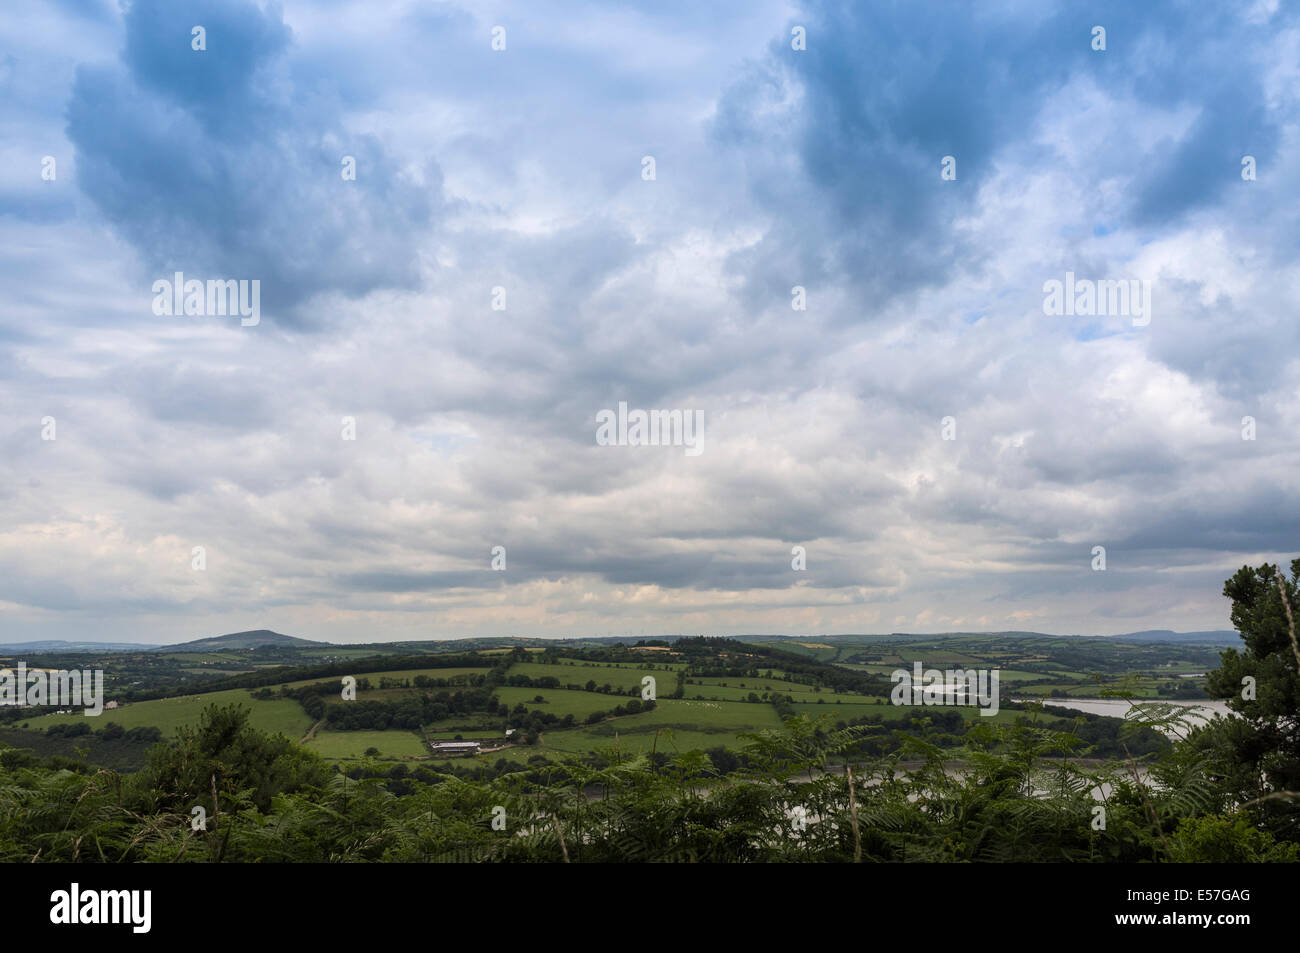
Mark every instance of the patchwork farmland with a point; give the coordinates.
(528, 704)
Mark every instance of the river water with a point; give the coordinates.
(1118, 707)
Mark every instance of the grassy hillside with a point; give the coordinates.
(277, 715)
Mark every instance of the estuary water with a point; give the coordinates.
(1118, 707)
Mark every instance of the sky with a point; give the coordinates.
(827, 230)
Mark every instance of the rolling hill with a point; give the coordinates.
(241, 640)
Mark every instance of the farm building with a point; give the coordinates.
(455, 747)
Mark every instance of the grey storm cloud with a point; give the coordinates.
(217, 163)
(861, 123)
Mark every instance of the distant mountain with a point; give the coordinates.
(1214, 636)
(240, 640)
(54, 646)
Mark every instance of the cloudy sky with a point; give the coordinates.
(517, 177)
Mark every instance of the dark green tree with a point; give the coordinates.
(224, 753)
(1261, 683)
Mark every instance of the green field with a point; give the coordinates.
(692, 724)
(347, 745)
(732, 689)
(822, 651)
(467, 724)
(848, 711)
(667, 663)
(561, 702)
(167, 714)
(400, 674)
(625, 678)
(890, 711)
(206, 657)
(338, 651)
